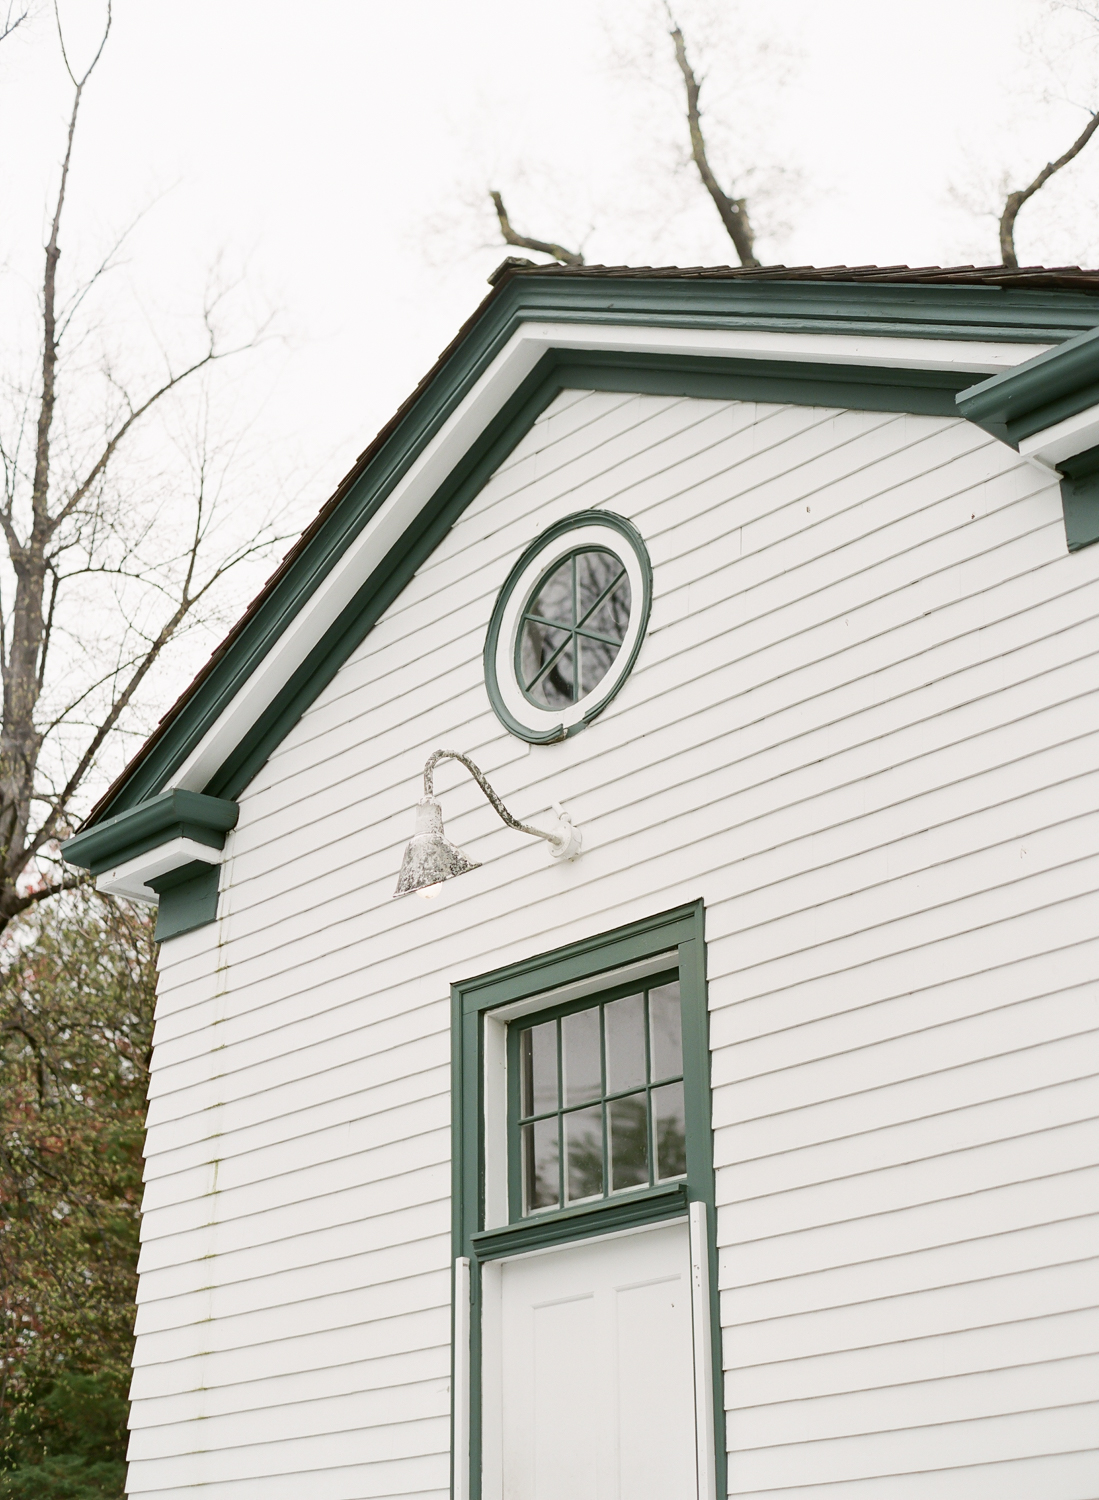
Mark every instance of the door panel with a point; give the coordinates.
(597, 1393)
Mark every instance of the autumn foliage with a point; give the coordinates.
(76, 1004)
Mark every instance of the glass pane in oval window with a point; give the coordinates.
(545, 661)
(595, 573)
(574, 627)
(553, 600)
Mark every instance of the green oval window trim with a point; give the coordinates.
(567, 626)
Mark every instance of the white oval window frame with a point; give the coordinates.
(516, 712)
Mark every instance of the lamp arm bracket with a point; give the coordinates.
(478, 776)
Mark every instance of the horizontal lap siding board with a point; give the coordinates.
(863, 727)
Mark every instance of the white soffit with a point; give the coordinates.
(504, 375)
(1063, 439)
(130, 879)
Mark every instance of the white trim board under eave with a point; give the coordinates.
(1063, 439)
(131, 878)
(529, 343)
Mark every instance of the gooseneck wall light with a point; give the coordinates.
(430, 857)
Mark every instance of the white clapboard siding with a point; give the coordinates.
(863, 728)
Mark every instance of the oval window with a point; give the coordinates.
(567, 625)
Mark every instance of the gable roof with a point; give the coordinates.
(856, 308)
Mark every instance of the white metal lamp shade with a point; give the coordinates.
(429, 856)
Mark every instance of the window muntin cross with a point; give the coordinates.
(573, 628)
(605, 1082)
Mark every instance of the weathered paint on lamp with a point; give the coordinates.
(429, 856)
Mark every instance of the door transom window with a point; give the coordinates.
(598, 1108)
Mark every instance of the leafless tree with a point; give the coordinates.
(527, 242)
(733, 212)
(77, 543)
(1016, 199)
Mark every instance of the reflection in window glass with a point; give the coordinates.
(540, 1069)
(546, 663)
(669, 1131)
(573, 628)
(625, 1022)
(628, 1121)
(583, 1071)
(616, 1123)
(540, 1157)
(584, 1143)
(666, 1031)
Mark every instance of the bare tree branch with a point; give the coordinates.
(7, 26)
(44, 892)
(69, 526)
(526, 242)
(78, 84)
(136, 413)
(732, 211)
(1016, 200)
(20, 741)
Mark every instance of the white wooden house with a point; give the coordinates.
(753, 1150)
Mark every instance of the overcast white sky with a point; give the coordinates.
(332, 148)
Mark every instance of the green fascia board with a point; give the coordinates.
(173, 814)
(1080, 498)
(870, 388)
(985, 313)
(1038, 393)
(793, 382)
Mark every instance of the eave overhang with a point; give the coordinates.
(884, 345)
(165, 851)
(1047, 408)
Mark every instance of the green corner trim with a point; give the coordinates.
(188, 899)
(910, 311)
(174, 814)
(1080, 498)
(1037, 394)
(681, 929)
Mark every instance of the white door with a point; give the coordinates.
(596, 1397)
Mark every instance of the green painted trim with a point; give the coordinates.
(568, 523)
(188, 899)
(1080, 498)
(682, 929)
(627, 1211)
(385, 584)
(172, 815)
(788, 382)
(937, 311)
(1037, 394)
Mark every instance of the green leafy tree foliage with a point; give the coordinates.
(76, 1007)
